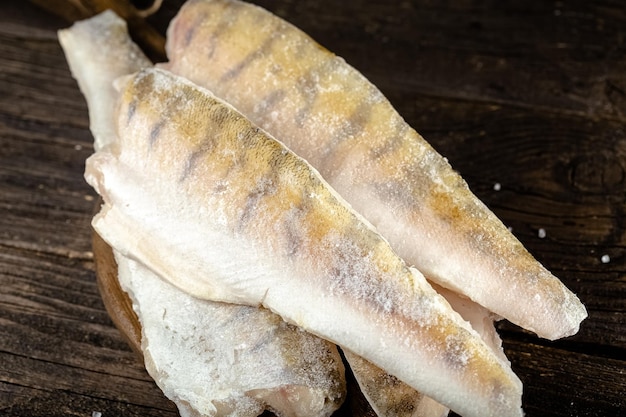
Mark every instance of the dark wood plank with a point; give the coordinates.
(565, 56)
(59, 353)
(22, 401)
(528, 95)
(557, 381)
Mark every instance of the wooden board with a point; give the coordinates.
(529, 95)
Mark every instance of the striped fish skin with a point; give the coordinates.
(215, 359)
(329, 114)
(388, 396)
(391, 397)
(278, 366)
(240, 218)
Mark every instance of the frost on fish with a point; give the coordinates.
(215, 359)
(329, 114)
(211, 359)
(481, 319)
(99, 50)
(240, 218)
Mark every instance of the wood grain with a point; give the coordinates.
(529, 95)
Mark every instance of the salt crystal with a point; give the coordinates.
(541, 233)
(96, 414)
(78, 147)
(605, 259)
(497, 186)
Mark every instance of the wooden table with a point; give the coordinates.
(526, 99)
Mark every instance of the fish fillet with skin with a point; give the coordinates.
(329, 114)
(235, 216)
(395, 397)
(215, 359)
(259, 362)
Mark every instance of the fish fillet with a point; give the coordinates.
(215, 359)
(98, 51)
(118, 55)
(259, 362)
(235, 216)
(329, 114)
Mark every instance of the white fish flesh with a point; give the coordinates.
(98, 51)
(215, 359)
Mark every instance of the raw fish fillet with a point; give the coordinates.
(257, 363)
(329, 114)
(98, 51)
(215, 359)
(233, 215)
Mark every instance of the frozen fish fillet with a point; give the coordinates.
(233, 215)
(98, 51)
(257, 363)
(329, 114)
(215, 359)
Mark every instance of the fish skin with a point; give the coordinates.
(99, 50)
(287, 241)
(388, 396)
(391, 397)
(329, 114)
(215, 359)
